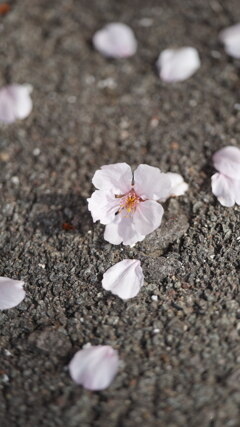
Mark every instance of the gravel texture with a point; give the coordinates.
(180, 358)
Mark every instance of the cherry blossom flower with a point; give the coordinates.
(15, 102)
(115, 40)
(127, 203)
(94, 367)
(124, 279)
(230, 37)
(178, 64)
(11, 293)
(226, 183)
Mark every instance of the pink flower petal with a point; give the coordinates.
(227, 190)
(151, 183)
(11, 292)
(124, 279)
(103, 206)
(178, 185)
(122, 230)
(115, 40)
(230, 37)
(178, 64)
(148, 216)
(94, 368)
(111, 233)
(116, 178)
(227, 161)
(15, 102)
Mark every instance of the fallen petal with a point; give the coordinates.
(226, 190)
(11, 293)
(230, 37)
(124, 279)
(94, 367)
(115, 40)
(15, 102)
(227, 161)
(178, 185)
(178, 64)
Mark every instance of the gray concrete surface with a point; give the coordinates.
(188, 374)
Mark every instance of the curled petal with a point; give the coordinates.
(124, 279)
(227, 161)
(15, 102)
(151, 183)
(178, 185)
(148, 216)
(95, 367)
(230, 37)
(227, 190)
(11, 293)
(178, 64)
(122, 230)
(103, 206)
(115, 40)
(116, 178)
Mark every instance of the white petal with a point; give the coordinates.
(128, 232)
(15, 102)
(151, 183)
(226, 190)
(115, 40)
(231, 40)
(122, 230)
(227, 161)
(124, 279)
(148, 216)
(178, 64)
(103, 206)
(116, 178)
(11, 292)
(178, 185)
(111, 234)
(94, 367)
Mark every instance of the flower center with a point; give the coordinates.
(129, 201)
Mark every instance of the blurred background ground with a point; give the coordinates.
(180, 354)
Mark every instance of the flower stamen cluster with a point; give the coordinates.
(129, 202)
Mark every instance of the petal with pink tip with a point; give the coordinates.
(124, 279)
(115, 40)
(148, 216)
(151, 183)
(95, 367)
(227, 161)
(116, 178)
(103, 206)
(227, 190)
(11, 293)
(15, 102)
(178, 64)
(230, 37)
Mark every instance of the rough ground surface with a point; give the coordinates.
(188, 373)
